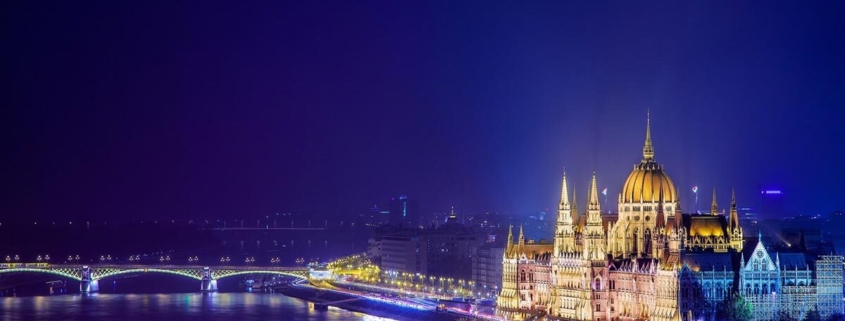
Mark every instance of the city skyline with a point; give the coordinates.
(301, 108)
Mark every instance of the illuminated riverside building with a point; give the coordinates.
(654, 263)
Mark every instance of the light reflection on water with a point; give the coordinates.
(171, 306)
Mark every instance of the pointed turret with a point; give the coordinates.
(648, 148)
(574, 211)
(594, 194)
(564, 231)
(594, 238)
(509, 245)
(714, 207)
(521, 237)
(510, 234)
(734, 219)
(734, 229)
(679, 217)
(564, 203)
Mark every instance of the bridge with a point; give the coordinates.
(89, 275)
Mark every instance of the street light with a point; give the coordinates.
(17, 258)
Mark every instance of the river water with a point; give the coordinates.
(168, 306)
(155, 297)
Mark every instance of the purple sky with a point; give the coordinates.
(133, 111)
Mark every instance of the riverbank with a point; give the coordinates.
(379, 308)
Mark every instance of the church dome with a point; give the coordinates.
(647, 181)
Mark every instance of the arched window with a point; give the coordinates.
(635, 241)
(522, 276)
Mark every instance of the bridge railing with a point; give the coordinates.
(151, 266)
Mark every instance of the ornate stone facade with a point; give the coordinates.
(653, 262)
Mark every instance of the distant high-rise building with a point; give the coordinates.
(487, 267)
(771, 204)
(376, 217)
(404, 212)
(405, 251)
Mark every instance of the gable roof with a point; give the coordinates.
(709, 261)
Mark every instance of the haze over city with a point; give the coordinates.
(127, 111)
(423, 160)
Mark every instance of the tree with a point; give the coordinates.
(734, 308)
(813, 315)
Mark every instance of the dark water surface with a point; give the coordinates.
(168, 306)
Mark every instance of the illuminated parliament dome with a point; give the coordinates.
(647, 180)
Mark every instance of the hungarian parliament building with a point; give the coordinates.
(653, 262)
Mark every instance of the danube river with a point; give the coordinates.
(154, 297)
(238, 306)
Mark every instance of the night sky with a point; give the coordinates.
(137, 111)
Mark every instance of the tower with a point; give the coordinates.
(733, 225)
(658, 236)
(714, 207)
(564, 232)
(638, 203)
(593, 234)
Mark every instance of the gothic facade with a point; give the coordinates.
(651, 262)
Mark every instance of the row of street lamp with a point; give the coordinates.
(134, 258)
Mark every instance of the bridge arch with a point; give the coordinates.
(99, 275)
(225, 274)
(68, 274)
